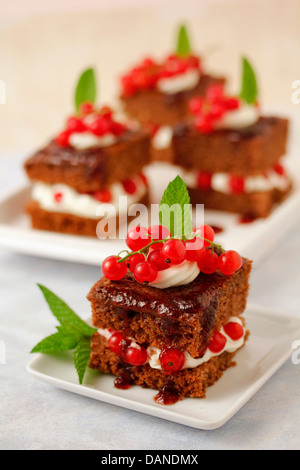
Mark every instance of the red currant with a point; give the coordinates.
(236, 185)
(159, 232)
(100, 126)
(196, 105)
(133, 260)
(86, 107)
(106, 111)
(229, 262)
(113, 270)
(193, 249)
(103, 196)
(58, 197)
(207, 261)
(171, 360)
(207, 232)
(156, 259)
(279, 169)
(204, 180)
(129, 186)
(234, 330)
(214, 93)
(203, 123)
(116, 343)
(136, 356)
(74, 124)
(217, 342)
(231, 104)
(117, 128)
(216, 110)
(173, 251)
(129, 89)
(145, 272)
(137, 238)
(63, 139)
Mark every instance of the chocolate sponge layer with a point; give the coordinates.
(245, 152)
(91, 169)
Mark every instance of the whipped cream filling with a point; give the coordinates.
(85, 140)
(245, 116)
(162, 138)
(83, 205)
(220, 181)
(190, 362)
(178, 275)
(184, 81)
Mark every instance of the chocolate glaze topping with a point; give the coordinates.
(259, 128)
(199, 295)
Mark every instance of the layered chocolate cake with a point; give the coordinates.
(94, 161)
(230, 154)
(168, 314)
(157, 93)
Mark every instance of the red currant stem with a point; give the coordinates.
(141, 250)
(213, 245)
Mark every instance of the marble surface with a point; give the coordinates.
(39, 76)
(34, 415)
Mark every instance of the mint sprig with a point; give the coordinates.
(86, 88)
(249, 88)
(73, 334)
(175, 209)
(183, 48)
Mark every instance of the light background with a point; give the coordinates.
(43, 47)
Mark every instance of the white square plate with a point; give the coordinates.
(254, 240)
(270, 344)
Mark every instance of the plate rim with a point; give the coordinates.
(167, 413)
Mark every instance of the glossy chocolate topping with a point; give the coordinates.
(261, 127)
(201, 295)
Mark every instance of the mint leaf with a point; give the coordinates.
(66, 339)
(72, 334)
(175, 209)
(183, 43)
(64, 313)
(249, 89)
(81, 357)
(86, 89)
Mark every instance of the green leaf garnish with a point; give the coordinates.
(73, 334)
(175, 209)
(81, 357)
(64, 313)
(249, 89)
(66, 339)
(183, 48)
(86, 89)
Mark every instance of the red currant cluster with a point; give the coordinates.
(145, 75)
(212, 107)
(154, 250)
(171, 360)
(217, 342)
(101, 124)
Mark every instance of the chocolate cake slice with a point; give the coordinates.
(168, 313)
(184, 318)
(157, 93)
(80, 176)
(231, 156)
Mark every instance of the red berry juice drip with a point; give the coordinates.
(168, 395)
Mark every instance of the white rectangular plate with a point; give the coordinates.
(268, 347)
(254, 240)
